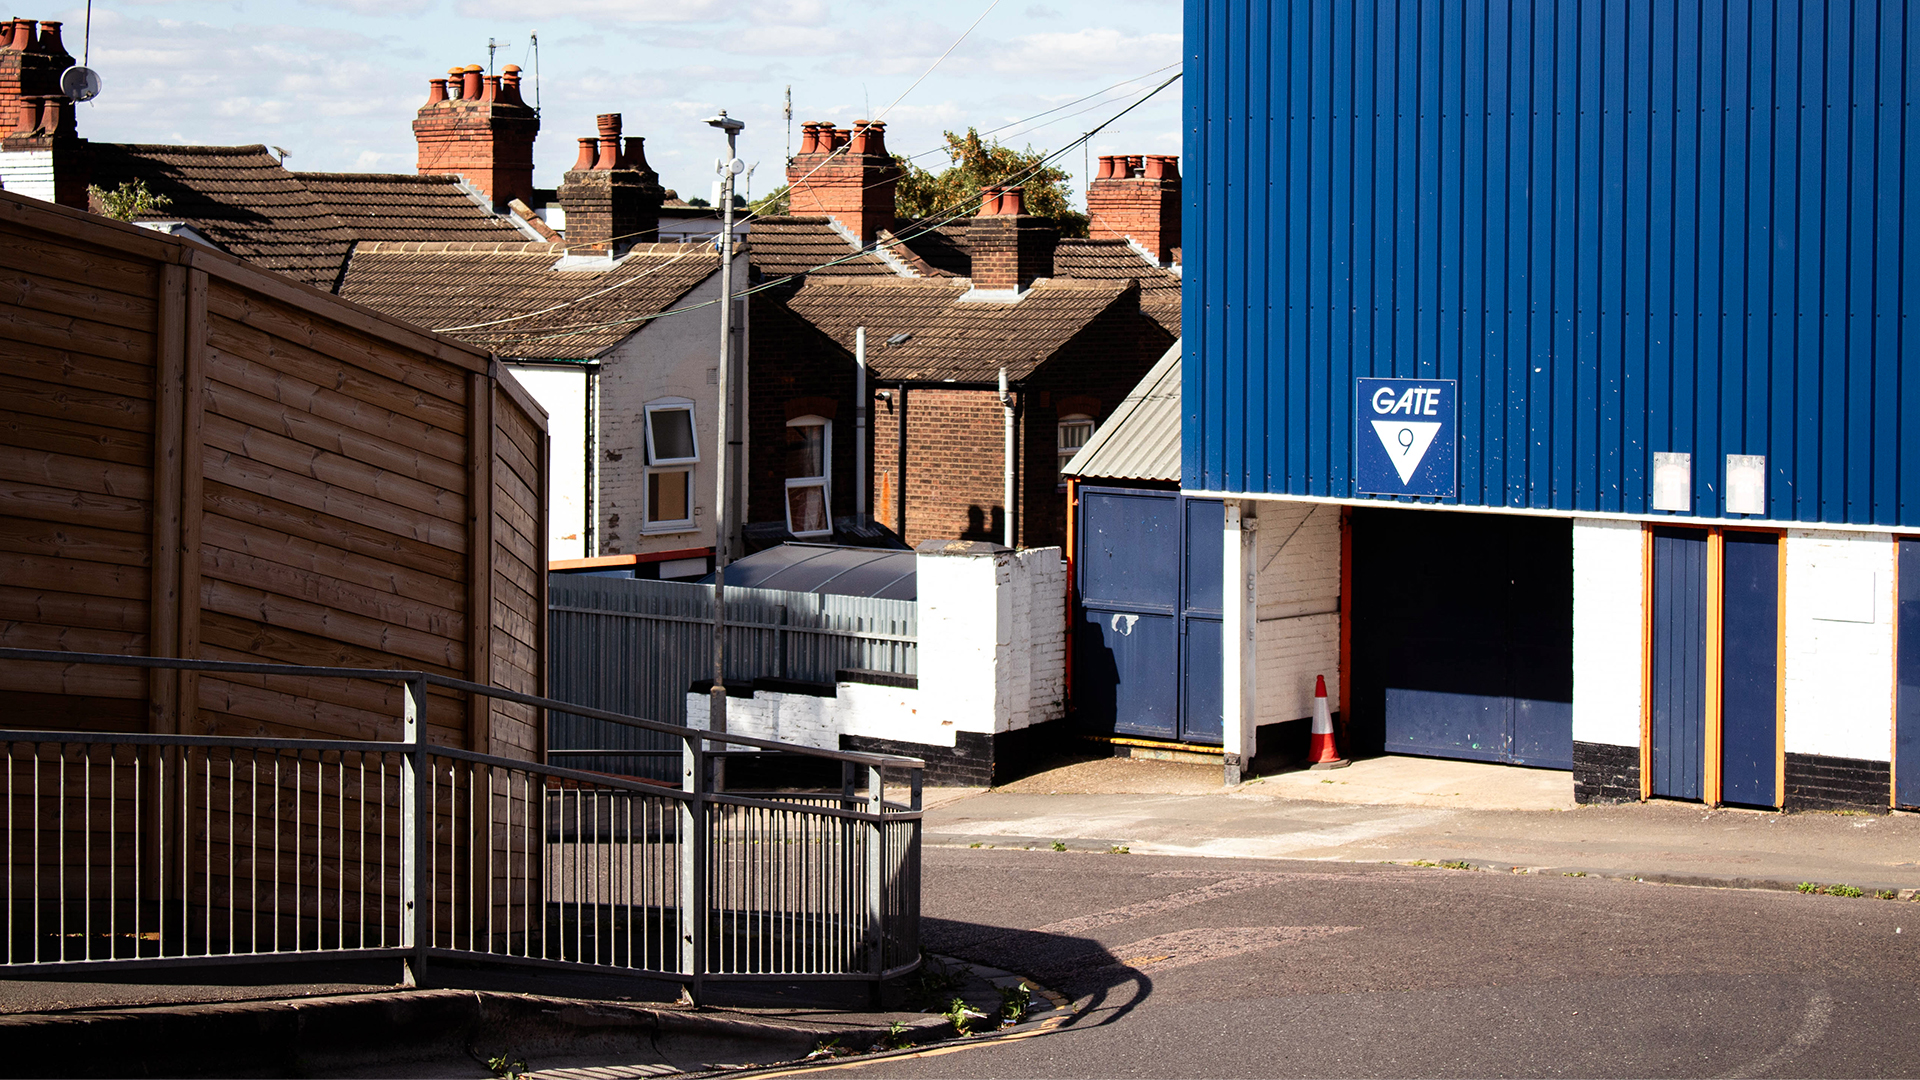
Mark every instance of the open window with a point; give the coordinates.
(1075, 431)
(809, 460)
(672, 451)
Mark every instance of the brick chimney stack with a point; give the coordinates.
(611, 197)
(1010, 247)
(845, 174)
(1137, 197)
(35, 115)
(478, 126)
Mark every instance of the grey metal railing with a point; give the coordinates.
(152, 850)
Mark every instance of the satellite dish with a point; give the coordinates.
(80, 83)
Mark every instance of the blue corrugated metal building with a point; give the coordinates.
(1655, 267)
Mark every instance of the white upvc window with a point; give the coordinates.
(672, 451)
(809, 464)
(1075, 431)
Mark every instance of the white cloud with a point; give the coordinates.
(1088, 51)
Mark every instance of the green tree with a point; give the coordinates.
(128, 202)
(978, 163)
(774, 203)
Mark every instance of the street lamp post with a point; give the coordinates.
(728, 167)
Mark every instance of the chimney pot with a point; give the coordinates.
(585, 160)
(635, 156)
(492, 91)
(840, 137)
(989, 200)
(52, 115)
(456, 82)
(436, 91)
(609, 153)
(808, 138)
(1106, 167)
(609, 125)
(29, 116)
(1013, 199)
(20, 34)
(1136, 164)
(470, 82)
(50, 38)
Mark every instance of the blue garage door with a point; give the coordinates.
(1146, 660)
(1462, 636)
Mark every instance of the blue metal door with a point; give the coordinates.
(1749, 694)
(1906, 764)
(1146, 659)
(1677, 683)
(1463, 637)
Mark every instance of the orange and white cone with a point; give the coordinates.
(1322, 754)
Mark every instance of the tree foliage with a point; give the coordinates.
(128, 202)
(774, 203)
(978, 163)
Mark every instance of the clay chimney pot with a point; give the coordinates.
(20, 34)
(989, 200)
(1013, 200)
(470, 82)
(585, 160)
(436, 91)
(877, 137)
(491, 92)
(1136, 164)
(609, 153)
(29, 116)
(857, 143)
(1106, 167)
(840, 137)
(635, 155)
(609, 125)
(50, 38)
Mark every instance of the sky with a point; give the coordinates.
(336, 82)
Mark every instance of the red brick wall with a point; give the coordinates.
(488, 143)
(954, 436)
(1147, 210)
(790, 360)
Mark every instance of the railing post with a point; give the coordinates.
(876, 875)
(416, 839)
(693, 917)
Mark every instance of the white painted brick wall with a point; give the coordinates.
(28, 172)
(992, 659)
(1607, 624)
(1298, 608)
(1839, 674)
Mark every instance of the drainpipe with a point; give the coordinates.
(900, 472)
(860, 426)
(1006, 406)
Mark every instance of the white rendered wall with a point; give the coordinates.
(28, 172)
(1297, 590)
(563, 393)
(1608, 621)
(992, 644)
(673, 357)
(1839, 651)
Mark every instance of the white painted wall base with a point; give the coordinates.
(1840, 649)
(1297, 636)
(1608, 621)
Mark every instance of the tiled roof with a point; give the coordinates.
(389, 206)
(442, 286)
(963, 341)
(239, 198)
(1113, 260)
(779, 246)
(942, 246)
(1141, 440)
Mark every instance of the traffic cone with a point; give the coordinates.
(1321, 753)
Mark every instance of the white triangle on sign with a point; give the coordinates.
(1406, 442)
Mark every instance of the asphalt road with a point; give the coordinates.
(1213, 967)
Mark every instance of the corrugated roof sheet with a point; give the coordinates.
(1141, 440)
(829, 569)
(440, 286)
(962, 341)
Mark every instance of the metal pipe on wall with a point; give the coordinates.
(900, 469)
(1006, 498)
(860, 508)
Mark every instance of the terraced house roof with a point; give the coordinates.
(953, 339)
(570, 314)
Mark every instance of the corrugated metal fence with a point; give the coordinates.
(632, 646)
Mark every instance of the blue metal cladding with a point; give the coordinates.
(1749, 667)
(1624, 227)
